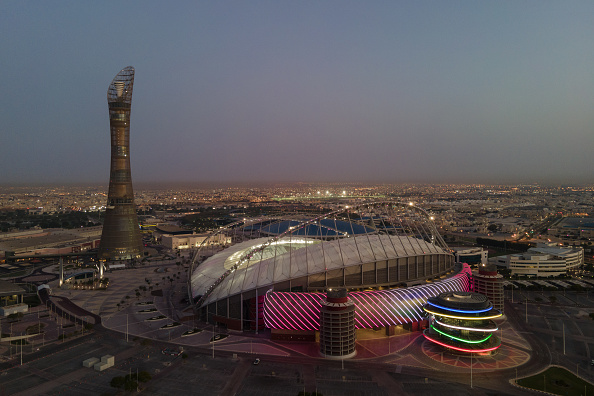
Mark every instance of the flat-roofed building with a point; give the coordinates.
(187, 241)
(50, 241)
(576, 227)
(11, 299)
(471, 255)
(545, 260)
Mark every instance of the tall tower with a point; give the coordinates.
(120, 239)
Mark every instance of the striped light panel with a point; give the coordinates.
(377, 308)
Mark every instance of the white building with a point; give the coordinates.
(471, 255)
(545, 260)
(187, 241)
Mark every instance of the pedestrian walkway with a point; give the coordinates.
(506, 356)
(120, 292)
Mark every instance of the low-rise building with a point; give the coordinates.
(545, 260)
(11, 299)
(188, 241)
(49, 241)
(471, 255)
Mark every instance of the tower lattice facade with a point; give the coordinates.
(121, 238)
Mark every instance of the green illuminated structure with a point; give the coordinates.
(462, 321)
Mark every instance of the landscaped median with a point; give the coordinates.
(557, 380)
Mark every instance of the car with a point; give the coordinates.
(257, 361)
(171, 352)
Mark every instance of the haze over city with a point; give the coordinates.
(452, 91)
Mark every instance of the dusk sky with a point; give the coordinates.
(313, 91)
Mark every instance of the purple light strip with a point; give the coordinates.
(363, 302)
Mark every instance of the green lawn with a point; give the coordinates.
(558, 381)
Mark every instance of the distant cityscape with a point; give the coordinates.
(522, 212)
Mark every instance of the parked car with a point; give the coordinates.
(171, 352)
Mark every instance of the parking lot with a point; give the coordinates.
(562, 320)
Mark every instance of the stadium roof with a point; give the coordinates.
(266, 263)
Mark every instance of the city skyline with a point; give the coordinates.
(279, 92)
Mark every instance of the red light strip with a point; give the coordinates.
(460, 349)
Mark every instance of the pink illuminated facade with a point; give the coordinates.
(377, 308)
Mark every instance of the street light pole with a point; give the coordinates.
(471, 370)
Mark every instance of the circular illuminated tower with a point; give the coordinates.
(462, 321)
(488, 282)
(337, 325)
(120, 239)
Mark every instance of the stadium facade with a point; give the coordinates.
(276, 271)
(120, 239)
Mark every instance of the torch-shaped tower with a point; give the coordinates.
(120, 239)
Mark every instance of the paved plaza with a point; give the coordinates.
(136, 324)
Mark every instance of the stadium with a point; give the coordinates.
(273, 272)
